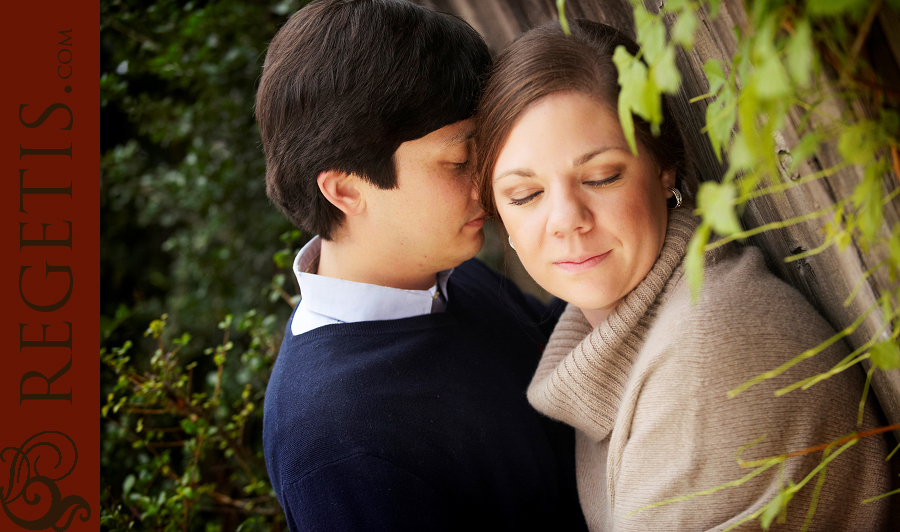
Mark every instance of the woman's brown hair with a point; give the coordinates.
(543, 61)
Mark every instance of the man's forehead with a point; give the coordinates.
(463, 135)
(446, 137)
(456, 133)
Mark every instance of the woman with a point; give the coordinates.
(633, 365)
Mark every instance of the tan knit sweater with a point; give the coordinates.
(646, 391)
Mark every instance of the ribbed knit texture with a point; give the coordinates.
(646, 391)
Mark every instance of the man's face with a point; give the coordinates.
(431, 221)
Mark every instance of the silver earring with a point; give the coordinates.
(510, 243)
(677, 194)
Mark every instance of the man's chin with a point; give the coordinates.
(473, 245)
(477, 244)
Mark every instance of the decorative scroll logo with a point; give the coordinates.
(33, 475)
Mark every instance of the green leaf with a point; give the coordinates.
(894, 246)
(156, 327)
(805, 149)
(674, 6)
(885, 355)
(858, 143)
(715, 76)
(775, 507)
(189, 427)
(741, 156)
(127, 485)
(869, 197)
(183, 340)
(801, 54)
(715, 202)
(651, 34)
(632, 78)
(226, 323)
(665, 73)
(694, 262)
(649, 106)
(684, 28)
(721, 116)
(563, 21)
(771, 81)
(283, 258)
(834, 7)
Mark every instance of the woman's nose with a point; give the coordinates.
(569, 212)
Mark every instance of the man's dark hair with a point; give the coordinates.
(345, 82)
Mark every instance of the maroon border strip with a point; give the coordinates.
(49, 266)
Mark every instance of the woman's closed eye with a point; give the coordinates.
(597, 183)
(525, 199)
(603, 182)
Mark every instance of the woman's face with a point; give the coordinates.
(587, 218)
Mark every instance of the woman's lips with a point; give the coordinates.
(580, 265)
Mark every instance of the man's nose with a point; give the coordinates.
(475, 192)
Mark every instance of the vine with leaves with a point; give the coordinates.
(780, 58)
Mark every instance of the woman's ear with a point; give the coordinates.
(343, 190)
(667, 179)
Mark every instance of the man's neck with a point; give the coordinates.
(348, 260)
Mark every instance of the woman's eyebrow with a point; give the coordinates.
(578, 161)
(522, 172)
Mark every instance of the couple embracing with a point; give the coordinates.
(416, 389)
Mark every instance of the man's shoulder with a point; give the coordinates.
(497, 300)
(474, 270)
(319, 404)
(485, 290)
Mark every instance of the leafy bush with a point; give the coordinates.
(187, 231)
(194, 455)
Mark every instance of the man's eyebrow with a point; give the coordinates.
(463, 136)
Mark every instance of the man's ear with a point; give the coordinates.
(343, 191)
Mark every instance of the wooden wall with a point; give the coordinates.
(826, 279)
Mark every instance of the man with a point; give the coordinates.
(398, 398)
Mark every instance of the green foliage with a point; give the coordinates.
(653, 72)
(715, 202)
(188, 235)
(190, 452)
(774, 72)
(186, 225)
(561, 10)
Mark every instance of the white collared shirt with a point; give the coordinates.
(326, 300)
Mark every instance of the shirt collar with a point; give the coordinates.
(349, 301)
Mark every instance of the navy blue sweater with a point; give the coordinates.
(421, 423)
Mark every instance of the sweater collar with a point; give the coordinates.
(583, 373)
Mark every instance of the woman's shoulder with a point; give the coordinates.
(744, 314)
(738, 288)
